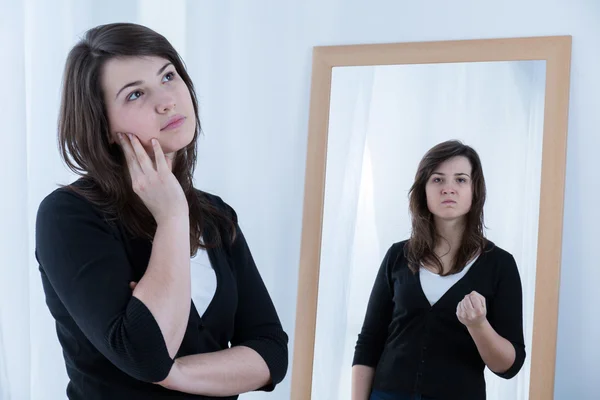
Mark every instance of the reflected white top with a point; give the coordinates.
(204, 281)
(434, 286)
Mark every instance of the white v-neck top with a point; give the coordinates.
(204, 281)
(434, 286)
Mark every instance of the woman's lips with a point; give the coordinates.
(174, 122)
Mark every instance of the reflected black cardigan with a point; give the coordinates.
(419, 348)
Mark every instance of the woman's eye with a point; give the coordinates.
(135, 95)
(169, 77)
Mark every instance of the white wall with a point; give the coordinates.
(251, 62)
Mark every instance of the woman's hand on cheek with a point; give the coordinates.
(153, 180)
(149, 147)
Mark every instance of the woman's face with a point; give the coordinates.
(147, 97)
(449, 189)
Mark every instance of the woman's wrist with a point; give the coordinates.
(479, 326)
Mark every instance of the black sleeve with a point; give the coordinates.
(374, 332)
(506, 316)
(88, 269)
(257, 325)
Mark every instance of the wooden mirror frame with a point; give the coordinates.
(556, 51)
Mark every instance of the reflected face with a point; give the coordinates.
(449, 189)
(147, 97)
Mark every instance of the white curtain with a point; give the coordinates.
(382, 121)
(346, 152)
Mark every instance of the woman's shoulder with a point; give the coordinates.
(67, 197)
(400, 244)
(74, 206)
(397, 248)
(211, 197)
(396, 256)
(66, 212)
(499, 261)
(217, 202)
(496, 253)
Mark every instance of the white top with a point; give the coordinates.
(434, 286)
(204, 281)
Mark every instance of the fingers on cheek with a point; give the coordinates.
(147, 145)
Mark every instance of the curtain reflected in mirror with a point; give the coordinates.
(382, 120)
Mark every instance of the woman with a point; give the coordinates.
(447, 302)
(137, 319)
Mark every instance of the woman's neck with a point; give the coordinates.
(450, 233)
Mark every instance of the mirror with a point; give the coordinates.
(371, 128)
(382, 120)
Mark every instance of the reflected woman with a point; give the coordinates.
(447, 302)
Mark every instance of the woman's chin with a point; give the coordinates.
(450, 215)
(172, 146)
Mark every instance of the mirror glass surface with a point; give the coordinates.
(382, 120)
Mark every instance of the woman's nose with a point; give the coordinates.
(165, 104)
(448, 189)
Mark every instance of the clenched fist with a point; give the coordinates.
(471, 311)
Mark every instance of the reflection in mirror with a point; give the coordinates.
(382, 121)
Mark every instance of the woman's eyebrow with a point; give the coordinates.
(457, 174)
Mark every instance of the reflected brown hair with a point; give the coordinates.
(83, 135)
(420, 248)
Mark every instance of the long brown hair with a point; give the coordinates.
(83, 134)
(424, 237)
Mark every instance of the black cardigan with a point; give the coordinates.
(112, 345)
(419, 348)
